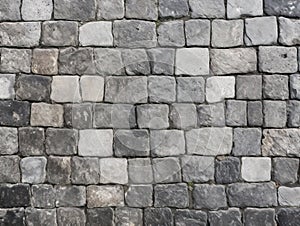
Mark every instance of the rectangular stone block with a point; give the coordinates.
(139, 196)
(14, 113)
(70, 216)
(240, 8)
(288, 8)
(173, 9)
(228, 170)
(191, 90)
(236, 113)
(274, 114)
(8, 141)
(31, 141)
(44, 61)
(256, 169)
(142, 9)
(15, 60)
(162, 215)
(65, 89)
(197, 32)
(220, 88)
(70, 196)
(162, 60)
(100, 216)
(40, 216)
(289, 196)
(249, 87)
(9, 169)
(14, 195)
(43, 196)
(171, 34)
(211, 115)
(37, 10)
(110, 9)
(140, 171)
(78, 116)
(59, 170)
(285, 170)
(254, 113)
(113, 171)
(96, 34)
(136, 61)
(247, 142)
(183, 116)
(166, 170)
(92, 88)
(43, 114)
(128, 216)
(162, 89)
(153, 116)
(10, 10)
(207, 9)
(225, 217)
(190, 217)
(33, 170)
(85, 170)
(7, 83)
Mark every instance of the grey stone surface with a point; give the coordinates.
(254, 113)
(136, 61)
(295, 86)
(220, 88)
(8, 141)
(274, 114)
(287, 8)
(10, 171)
(139, 196)
(70, 196)
(96, 34)
(37, 10)
(197, 32)
(43, 196)
(14, 113)
(65, 89)
(140, 171)
(166, 170)
(33, 169)
(259, 217)
(15, 60)
(70, 216)
(113, 171)
(239, 8)
(276, 87)
(128, 216)
(162, 89)
(43, 114)
(158, 216)
(100, 217)
(31, 141)
(7, 83)
(249, 87)
(162, 60)
(183, 116)
(44, 61)
(45, 217)
(255, 169)
(211, 115)
(14, 195)
(15, 215)
(78, 116)
(184, 217)
(110, 9)
(171, 34)
(288, 196)
(247, 141)
(231, 216)
(10, 10)
(285, 170)
(58, 170)
(236, 113)
(207, 9)
(173, 8)
(288, 216)
(92, 88)
(142, 9)
(108, 61)
(153, 116)
(85, 170)
(227, 170)
(190, 90)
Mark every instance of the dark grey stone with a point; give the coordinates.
(78, 116)
(276, 87)
(146, 9)
(59, 170)
(285, 170)
(158, 216)
(227, 170)
(43, 217)
(17, 195)
(288, 216)
(9, 169)
(14, 113)
(43, 196)
(249, 87)
(70, 216)
(274, 114)
(247, 141)
(289, 8)
(293, 113)
(231, 217)
(190, 218)
(139, 196)
(255, 115)
(85, 170)
(70, 196)
(173, 8)
(100, 217)
(211, 115)
(259, 217)
(128, 216)
(162, 61)
(236, 113)
(12, 217)
(166, 170)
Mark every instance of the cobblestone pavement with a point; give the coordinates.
(149, 112)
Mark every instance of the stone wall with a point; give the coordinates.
(149, 112)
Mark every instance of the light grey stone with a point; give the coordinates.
(43, 114)
(231, 216)
(249, 87)
(113, 171)
(140, 171)
(247, 142)
(108, 61)
(45, 217)
(274, 114)
(276, 87)
(197, 32)
(43, 196)
(65, 89)
(33, 169)
(96, 34)
(31, 141)
(10, 10)
(173, 8)
(7, 83)
(190, 90)
(289, 31)
(162, 60)
(288, 196)
(44, 61)
(166, 170)
(240, 8)
(295, 86)
(15, 60)
(136, 61)
(110, 9)
(9, 169)
(70, 196)
(207, 9)
(259, 217)
(8, 140)
(183, 116)
(162, 89)
(146, 9)
(285, 170)
(211, 115)
(70, 216)
(37, 10)
(256, 169)
(236, 113)
(171, 34)
(220, 88)
(153, 116)
(128, 216)
(139, 196)
(85, 170)
(92, 88)
(254, 112)
(78, 116)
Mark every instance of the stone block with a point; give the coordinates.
(65, 89)
(128, 216)
(146, 10)
(158, 216)
(240, 8)
(44, 61)
(31, 141)
(288, 196)
(140, 171)
(295, 86)
(274, 114)
(173, 9)
(255, 169)
(289, 216)
(14, 195)
(7, 83)
(85, 170)
(207, 9)
(166, 170)
(225, 217)
(162, 61)
(92, 88)
(15, 60)
(14, 113)
(70, 216)
(45, 217)
(58, 170)
(37, 10)
(197, 32)
(162, 89)
(171, 34)
(43, 196)
(276, 87)
(43, 114)
(108, 61)
(113, 171)
(8, 141)
(190, 217)
(236, 113)
(153, 116)
(287, 8)
(10, 10)
(183, 116)
(100, 217)
(259, 217)
(211, 115)
(285, 170)
(136, 61)
(79, 116)
(139, 196)
(254, 113)
(110, 9)
(96, 34)
(247, 142)
(9, 169)
(16, 215)
(70, 196)
(249, 87)
(33, 170)
(220, 88)
(190, 90)
(227, 170)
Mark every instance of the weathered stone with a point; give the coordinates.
(66, 33)
(45, 217)
(261, 31)
(167, 142)
(197, 168)
(58, 170)
(70, 196)
(228, 61)
(61, 141)
(252, 195)
(65, 89)
(14, 195)
(209, 141)
(76, 61)
(277, 59)
(190, 90)
(134, 34)
(94, 142)
(227, 33)
(131, 143)
(113, 171)
(9, 169)
(7, 83)
(240, 8)
(295, 86)
(100, 217)
(162, 60)
(173, 8)
(43, 196)
(247, 142)
(256, 169)
(20, 34)
(207, 9)
(85, 170)
(166, 170)
(15, 60)
(10, 10)
(276, 87)
(232, 216)
(108, 61)
(8, 141)
(140, 171)
(197, 32)
(183, 116)
(219, 88)
(110, 9)
(249, 87)
(288, 216)
(171, 33)
(227, 170)
(274, 114)
(75, 10)
(190, 217)
(289, 8)
(15, 216)
(70, 216)
(96, 34)
(289, 196)
(259, 217)
(162, 89)
(146, 10)
(192, 61)
(285, 170)
(14, 113)
(44, 61)
(128, 216)
(209, 196)
(158, 216)
(37, 10)
(33, 88)
(139, 196)
(103, 196)
(92, 88)
(33, 170)
(254, 113)
(211, 115)
(131, 89)
(153, 116)
(43, 114)
(78, 116)
(236, 113)
(171, 195)
(136, 61)
(31, 141)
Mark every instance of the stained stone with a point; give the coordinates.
(173, 8)
(231, 216)
(96, 34)
(288, 216)
(85, 170)
(31, 141)
(247, 142)
(252, 195)
(43, 196)
(139, 196)
(190, 90)
(70, 196)
(8, 141)
(14, 113)
(104, 196)
(209, 196)
(256, 169)
(227, 170)
(240, 8)
(236, 113)
(153, 116)
(78, 116)
(197, 32)
(197, 168)
(136, 61)
(146, 9)
(162, 89)
(131, 143)
(207, 9)
(289, 8)
(158, 216)
(162, 60)
(183, 116)
(113, 171)
(43, 114)
(15, 60)
(58, 170)
(249, 87)
(134, 34)
(171, 33)
(110, 9)
(65, 89)
(285, 170)
(288, 196)
(65, 34)
(276, 87)
(9, 169)
(7, 83)
(254, 113)
(45, 217)
(140, 171)
(166, 170)
(108, 61)
(37, 10)
(171, 195)
(259, 217)
(92, 88)
(211, 115)
(33, 170)
(44, 61)
(14, 195)
(274, 114)
(100, 217)
(220, 88)
(15, 216)
(184, 217)
(61, 141)
(70, 216)
(128, 216)
(33, 88)
(10, 10)
(295, 86)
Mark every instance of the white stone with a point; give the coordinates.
(92, 88)
(289, 31)
(113, 171)
(95, 143)
(219, 88)
(192, 61)
(33, 169)
(96, 34)
(238, 8)
(289, 196)
(65, 89)
(7, 82)
(256, 169)
(37, 9)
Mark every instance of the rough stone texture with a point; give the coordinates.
(110, 9)
(139, 196)
(274, 114)
(287, 8)
(256, 169)
(239, 8)
(227, 170)
(231, 216)
(44, 61)
(197, 32)
(162, 60)
(288, 196)
(173, 8)
(140, 171)
(78, 116)
(12, 216)
(8, 141)
(33, 169)
(92, 88)
(70, 216)
(43, 114)
(153, 116)
(288, 216)
(45, 217)
(247, 142)
(58, 170)
(96, 34)
(166, 170)
(171, 34)
(276, 87)
(219, 88)
(147, 9)
(285, 170)
(85, 170)
(15, 60)
(190, 90)
(249, 87)
(70, 196)
(43, 196)
(14, 195)
(211, 115)
(295, 86)
(7, 82)
(113, 171)
(259, 217)
(190, 217)
(31, 141)
(100, 217)
(289, 31)
(36, 10)
(128, 216)
(254, 113)
(136, 61)
(10, 10)
(65, 89)
(207, 9)
(183, 116)
(10, 171)
(158, 216)
(14, 113)
(162, 89)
